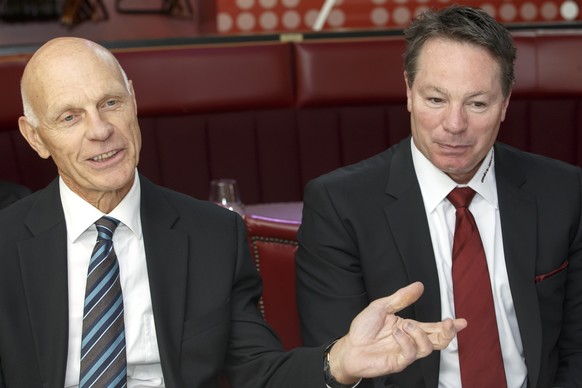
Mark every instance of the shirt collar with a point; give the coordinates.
(435, 185)
(80, 215)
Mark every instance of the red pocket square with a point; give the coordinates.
(544, 276)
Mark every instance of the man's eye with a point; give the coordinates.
(111, 102)
(69, 118)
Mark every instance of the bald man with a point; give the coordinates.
(189, 287)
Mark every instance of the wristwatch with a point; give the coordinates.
(329, 380)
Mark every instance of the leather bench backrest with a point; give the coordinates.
(274, 115)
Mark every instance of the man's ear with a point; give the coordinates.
(408, 92)
(504, 107)
(31, 135)
(132, 92)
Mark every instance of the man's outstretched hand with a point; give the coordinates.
(380, 343)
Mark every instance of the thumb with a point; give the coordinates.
(401, 299)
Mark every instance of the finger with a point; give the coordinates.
(435, 327)
(442, 333)
(407, 353)
(422, 341)
(460, 324)
(401, 299)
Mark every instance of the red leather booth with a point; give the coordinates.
(273, 245)
(275, 114)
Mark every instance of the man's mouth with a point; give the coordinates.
(105, 156)
(454, 147)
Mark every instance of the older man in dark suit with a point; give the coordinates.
(107, 280)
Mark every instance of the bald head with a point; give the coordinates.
(80, 110)
(57, 58)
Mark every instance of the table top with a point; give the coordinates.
(287, 211)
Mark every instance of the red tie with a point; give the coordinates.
(479, 349)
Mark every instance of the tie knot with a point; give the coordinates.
(105, 227)
(461, 196)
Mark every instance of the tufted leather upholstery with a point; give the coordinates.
(273, 244)
(274, 115)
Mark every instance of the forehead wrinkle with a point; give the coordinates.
(56, 70)
(63, 55)
(45, 69)
(442, 56)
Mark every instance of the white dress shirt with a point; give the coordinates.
(143, 359)
(435, 185)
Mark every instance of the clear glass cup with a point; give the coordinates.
(224, 192)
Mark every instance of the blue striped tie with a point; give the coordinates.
(103, 362)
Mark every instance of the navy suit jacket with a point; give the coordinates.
(365, 234)
(204, 291)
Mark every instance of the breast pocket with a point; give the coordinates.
(551, 292)
(547, 283)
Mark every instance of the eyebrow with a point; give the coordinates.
(446, 93)
(434, 89)
(60, 110)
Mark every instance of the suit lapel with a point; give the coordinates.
(167, 261)
(409, 226)
(407, 219)
(43, 260)
(518, 214)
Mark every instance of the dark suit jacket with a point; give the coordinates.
(365, 234)
(11, 192)
(204, 290)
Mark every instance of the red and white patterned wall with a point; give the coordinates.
(252, 16)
